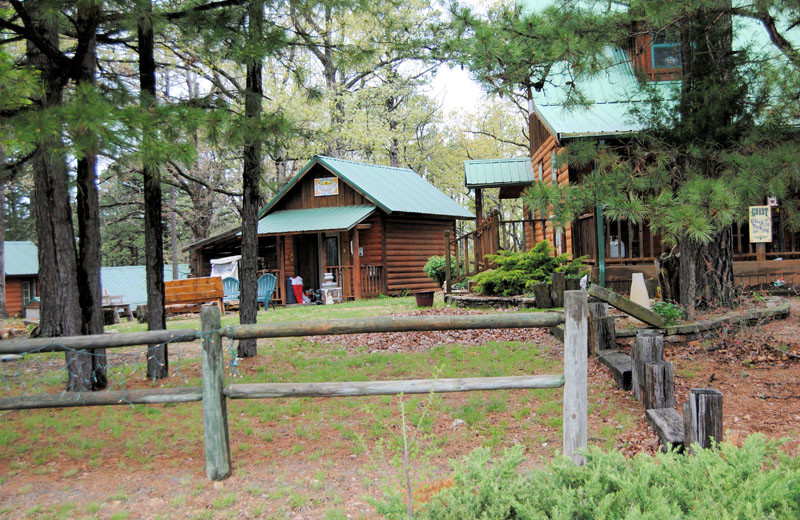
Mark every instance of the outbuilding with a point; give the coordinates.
(373, 227)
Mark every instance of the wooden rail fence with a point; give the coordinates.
(214, 393)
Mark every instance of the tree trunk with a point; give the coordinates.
(3, 308)
(706, 272)
(157, 355)
(88, 209)
(668, 272)
(251, 177)
(173, 232)
(60, 311)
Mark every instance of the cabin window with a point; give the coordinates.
(665, 49)
(28, 291)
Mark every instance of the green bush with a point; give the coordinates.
(516, 273)
(755, 481)
(435, 269)
(671, 313)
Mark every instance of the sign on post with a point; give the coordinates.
(760, 224)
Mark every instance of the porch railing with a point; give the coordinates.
(370, 276)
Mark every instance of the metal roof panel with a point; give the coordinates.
(21, 258)
(498, 172)
(129, 281)
(313, 219)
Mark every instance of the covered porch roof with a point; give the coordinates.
(510, 175)
(308, 220)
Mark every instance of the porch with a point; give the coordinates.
(626, 248)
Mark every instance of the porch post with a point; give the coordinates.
(281, 285)
(447, 273)
(601, 246)
(356, 267)
(478, 207)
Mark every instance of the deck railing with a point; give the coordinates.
(214, 392)
(371, 277)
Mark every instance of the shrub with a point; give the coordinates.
(435, 269)
(517, 272)
(754, 481)
(671, 313)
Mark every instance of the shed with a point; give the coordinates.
(21, 259)
(130, 282)
(373, 227)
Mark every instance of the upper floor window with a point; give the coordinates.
(665, 49)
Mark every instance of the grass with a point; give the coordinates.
(141, 437)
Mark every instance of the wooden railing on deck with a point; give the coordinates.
(371, 280)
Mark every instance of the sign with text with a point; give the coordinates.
(760, 224)
(326, 186)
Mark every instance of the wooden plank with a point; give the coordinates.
(627, 306)
(395, 324)
(668, 424)
(215, 413)
(702, 417)
(619, 364)
(413, 386)
(575, 421)
(116, 397)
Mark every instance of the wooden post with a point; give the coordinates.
(659, 385)
(761, 252)
(447, 273)
(702, 417)
(602, 334)
(356, 266)
(648, 347)
(541, 292)
(575, 375)
(215, 414)
(559, 285)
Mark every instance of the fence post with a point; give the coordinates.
(576, 331)
(215, 413)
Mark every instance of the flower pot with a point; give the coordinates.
(424, 298)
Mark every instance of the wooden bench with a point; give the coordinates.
(190, 294)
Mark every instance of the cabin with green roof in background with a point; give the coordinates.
(373, 227)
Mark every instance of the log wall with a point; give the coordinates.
(14, 296)
(410, 241)
(301, 196)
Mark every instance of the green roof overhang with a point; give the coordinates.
(338, 218)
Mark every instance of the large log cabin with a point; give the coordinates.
(617, 247)
(372, 226)
(21, 261)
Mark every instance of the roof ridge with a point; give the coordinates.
(367, 164)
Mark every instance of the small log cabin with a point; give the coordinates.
(21, 260)
(618, 248)
(373, 227)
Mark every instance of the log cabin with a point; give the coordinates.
(616, 248)
(373, 227)
(21, 261)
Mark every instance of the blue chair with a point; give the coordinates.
(230, 288)
(266, 286)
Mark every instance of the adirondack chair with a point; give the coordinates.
(230, 287)
(266, 286)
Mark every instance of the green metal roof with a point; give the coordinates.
(21, 258)
(498, 172)
(129, 281)
(313, 219)
(391, 189)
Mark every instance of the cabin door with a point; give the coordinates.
(306, 260)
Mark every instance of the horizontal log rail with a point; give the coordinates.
(213, 392)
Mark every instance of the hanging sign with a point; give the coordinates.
(326, 186)
(760, 224)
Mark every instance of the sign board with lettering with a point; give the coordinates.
(326, 186)
(760, 224)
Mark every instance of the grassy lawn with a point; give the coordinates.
(287, 437)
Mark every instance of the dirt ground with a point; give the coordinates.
(297, 476)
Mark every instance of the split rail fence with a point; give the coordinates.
(214, 393)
